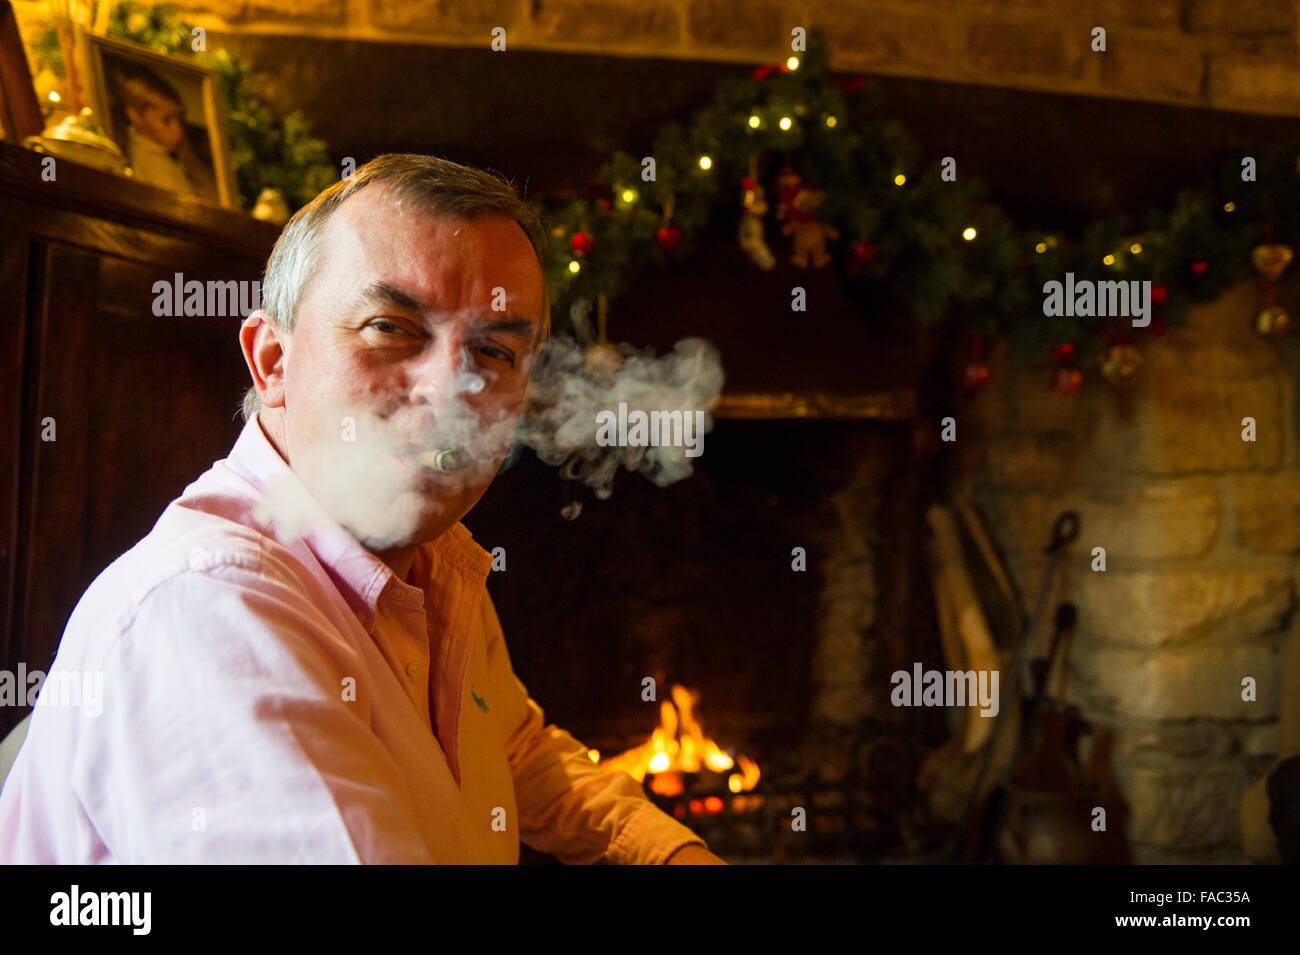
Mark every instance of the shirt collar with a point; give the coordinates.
(359, 575)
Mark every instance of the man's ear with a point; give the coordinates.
(265, 347)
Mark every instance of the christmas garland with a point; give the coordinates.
(268, 152)
(853, 193)
(850, 190)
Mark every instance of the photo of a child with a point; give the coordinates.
(160, 145)
(165, 114)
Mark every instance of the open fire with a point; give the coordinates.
(678, 746)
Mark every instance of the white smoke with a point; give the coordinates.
(572, 385)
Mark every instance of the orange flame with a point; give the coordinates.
(678, 745)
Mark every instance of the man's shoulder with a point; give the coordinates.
(188, 555)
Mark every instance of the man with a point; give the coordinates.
(300, 661)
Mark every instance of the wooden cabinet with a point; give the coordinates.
(138, 406)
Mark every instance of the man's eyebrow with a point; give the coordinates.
(387, 294)
(515, 325)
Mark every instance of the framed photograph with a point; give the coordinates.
(165, 114)
(20, 112)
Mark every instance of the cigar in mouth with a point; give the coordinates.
(442, 459)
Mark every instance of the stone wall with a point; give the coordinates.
(1219, 53)
(1201, 531)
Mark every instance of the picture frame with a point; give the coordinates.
(147, 103)
(20, 109)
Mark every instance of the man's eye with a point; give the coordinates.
(387, 327)
(493, 352)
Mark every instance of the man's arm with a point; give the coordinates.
(225, 738)
(568, 806)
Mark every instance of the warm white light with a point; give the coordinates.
(831, 121)
(900, 179)
(792, 63)
(706, 162)
(753, 122)
(573, 265)
(1109, 260)
(786, 122)
(1136, 248)
(629, 196)
(968, 233)
(1041, 247)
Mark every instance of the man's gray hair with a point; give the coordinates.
(438, 187)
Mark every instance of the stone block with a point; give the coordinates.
(1188, 806)
(1161, 608)
(606, 23)
(1268, 512)
(1152, 521)
(1204, 682)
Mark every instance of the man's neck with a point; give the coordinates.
(398, 559)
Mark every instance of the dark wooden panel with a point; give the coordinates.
(142, 405)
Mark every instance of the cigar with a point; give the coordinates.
(441, 459)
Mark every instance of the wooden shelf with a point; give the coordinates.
(93, 192)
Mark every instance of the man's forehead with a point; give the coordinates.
(383, 237)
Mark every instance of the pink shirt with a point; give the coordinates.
(268, 699)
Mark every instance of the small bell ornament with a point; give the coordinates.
(1270, 261)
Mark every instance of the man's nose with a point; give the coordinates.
(443, 372)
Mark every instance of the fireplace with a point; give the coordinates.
(779, 584)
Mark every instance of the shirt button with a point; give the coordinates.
(413, 669)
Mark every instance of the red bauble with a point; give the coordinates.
(1062, 351)
(747, 183)
(668, 236)
(977, 375)
(1200, 267)
(581, 243)
(862, 252)
(1158, 294)
(1066, 381)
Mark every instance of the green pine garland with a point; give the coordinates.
(991, 284)
(268, 152)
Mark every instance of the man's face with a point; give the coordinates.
(397, 349)
(163, 123)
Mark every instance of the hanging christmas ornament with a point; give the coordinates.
(581, 243)
(752, 214)
(1119, 363)
(668, 235)
(603, 359)
(808, 234)
(1270, 261)
(788, 184)
(977, 369)
(1066, 380)
(606, 207)
(860, 253)
(1159, 294)
(1199, 267)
